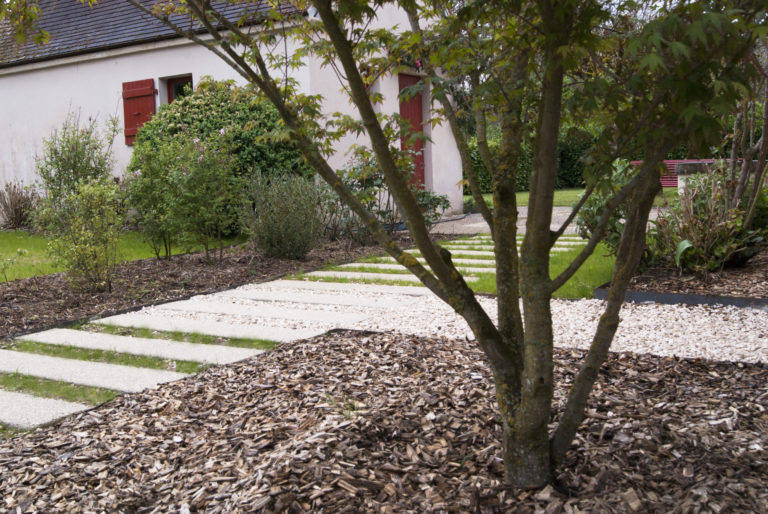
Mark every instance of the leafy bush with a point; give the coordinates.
(215, 107)
(570, 166)
(209, 195)
(75, 153)
(84, 227)
(153, 197)
(589, 216)
(282, 215)
(700, 232)
(17, 204)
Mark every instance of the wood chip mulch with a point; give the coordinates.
(37, 303)
(749, 281)
(366, 422)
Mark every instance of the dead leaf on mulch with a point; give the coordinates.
(352, 422)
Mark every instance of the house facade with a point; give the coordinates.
(112, 60)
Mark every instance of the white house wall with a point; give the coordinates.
(38, 97)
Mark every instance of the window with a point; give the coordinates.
(176, 85)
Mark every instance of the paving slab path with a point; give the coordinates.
(280, 311)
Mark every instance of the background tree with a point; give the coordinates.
(648, 78)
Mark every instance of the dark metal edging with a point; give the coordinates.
(601, 293)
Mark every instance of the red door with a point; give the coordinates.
(411, 110)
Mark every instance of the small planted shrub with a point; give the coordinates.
(282, 215)
(84, 227)
(17, 205)
(700, 232)
(208, 194)
(74, 153)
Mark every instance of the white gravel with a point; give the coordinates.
(707, 332)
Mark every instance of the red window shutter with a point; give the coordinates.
(138, 106)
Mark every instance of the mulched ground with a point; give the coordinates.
(37, 303)
(750, 281)
(364, 422)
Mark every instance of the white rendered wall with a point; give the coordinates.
(37, 98)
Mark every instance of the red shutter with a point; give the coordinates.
(138, 106)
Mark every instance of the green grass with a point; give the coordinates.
(55, 389)
(373, 281)
(186, 337)
(36, 260)
(568, 197)
(8, 432)
(110, 357)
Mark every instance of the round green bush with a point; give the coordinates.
(239, 113)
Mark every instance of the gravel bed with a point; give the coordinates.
(706, 332)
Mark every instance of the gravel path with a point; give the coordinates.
(707, 332)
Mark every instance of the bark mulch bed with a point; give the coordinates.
(363, 422)
(36, 303)
(750, 281)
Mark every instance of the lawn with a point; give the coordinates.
(36, 261)
(568, 197)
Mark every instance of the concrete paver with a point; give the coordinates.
(224, 305)
(385, 266)
(258, 330)
(353, 275)
(207, 353)
(95, 374)
(21, 410)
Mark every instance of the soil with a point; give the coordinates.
(750, 281)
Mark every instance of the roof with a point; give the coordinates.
(76, 28)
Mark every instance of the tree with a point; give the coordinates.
(649, 76)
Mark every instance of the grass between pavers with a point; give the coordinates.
(596, 271)
(109, 357)
(184, 337)
(46, 388)
(36, 260)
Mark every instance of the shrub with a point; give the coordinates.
(700, 232)
(241, 112)
(588, 217)
(17, 204)
(208, 194)
(75, 153)
(282, 215)
(84, 227)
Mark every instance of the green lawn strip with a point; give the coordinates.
(36, 260)
(401, 271)
(568, 197)
(110, 357)
(8, 432)
(46, 388)
(184, 337)
(482, 262)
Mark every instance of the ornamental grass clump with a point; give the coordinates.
(283, 215)
(17, 204)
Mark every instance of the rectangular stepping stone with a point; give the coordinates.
(223, 305)
(343, 287)
(490, 262)
(463, 252)
(354, 275)
(21, 410)
(385, 266)
(210, 327)
(207, 353)
(307, 297)
(96, 374)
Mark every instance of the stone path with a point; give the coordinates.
(350, 296)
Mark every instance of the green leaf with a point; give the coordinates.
(682, 246)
